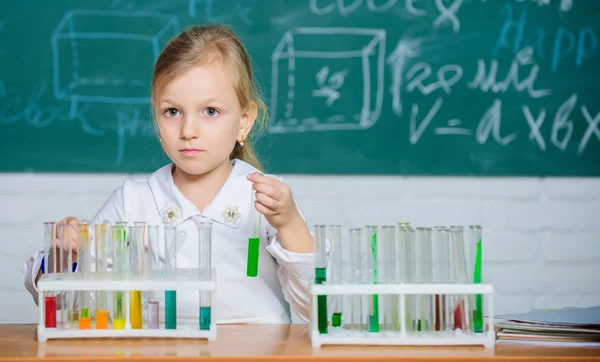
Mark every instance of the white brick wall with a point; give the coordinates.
(541, 236)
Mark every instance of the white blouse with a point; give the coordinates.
(282, 276)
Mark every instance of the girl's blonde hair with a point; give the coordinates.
(201, 45)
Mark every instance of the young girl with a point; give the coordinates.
(205, 106)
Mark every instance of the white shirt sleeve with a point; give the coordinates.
(111, 211)
(295, 271)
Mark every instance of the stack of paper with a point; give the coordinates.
(565, 327)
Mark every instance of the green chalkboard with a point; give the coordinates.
(409, 87)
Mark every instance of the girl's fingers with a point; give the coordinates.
(267, 201)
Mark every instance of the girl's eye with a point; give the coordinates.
(211, 112)
(171, 112)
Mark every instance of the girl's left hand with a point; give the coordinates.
(274, 200)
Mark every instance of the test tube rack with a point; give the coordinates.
(342, 336)
(179, 279)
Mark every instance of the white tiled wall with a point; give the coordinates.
(541, 236)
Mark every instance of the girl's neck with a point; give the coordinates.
(202, 189)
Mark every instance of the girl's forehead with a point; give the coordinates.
(208, 80)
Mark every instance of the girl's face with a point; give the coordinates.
(200, 118)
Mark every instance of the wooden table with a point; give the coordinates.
(260, 343)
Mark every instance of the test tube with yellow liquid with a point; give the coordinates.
(136, 257)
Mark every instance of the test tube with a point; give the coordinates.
(387, 240)
(136, 251)
(101, 244)
(49, 258)
(355, 238)
(459, 275)
(440, 239)
(335, 236)
(253, 239)
(476, 260)
(320, 252)
(372, 274)
(170, 267)
(423, 244)
(405, 247)
(84, 264)
(150, 266)
(119, 268)
(204, 265)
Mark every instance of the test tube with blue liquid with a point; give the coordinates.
(320, 254)
(204, 265)
(170, 265)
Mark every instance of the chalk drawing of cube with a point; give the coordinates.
(327, 79)
(107, 56)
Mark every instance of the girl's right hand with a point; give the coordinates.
(65, 234)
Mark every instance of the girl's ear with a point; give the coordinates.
(247, 122)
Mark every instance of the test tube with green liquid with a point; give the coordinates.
(204, 265)
(371, 268)
(119, 269)
(335, 235)
(84, 264)
(170, 267)
(475, 260)
(320, 253)
(253, 240)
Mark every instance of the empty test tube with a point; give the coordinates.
(150, 267)
(204, 265)
(320, 252)
(355, 241)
